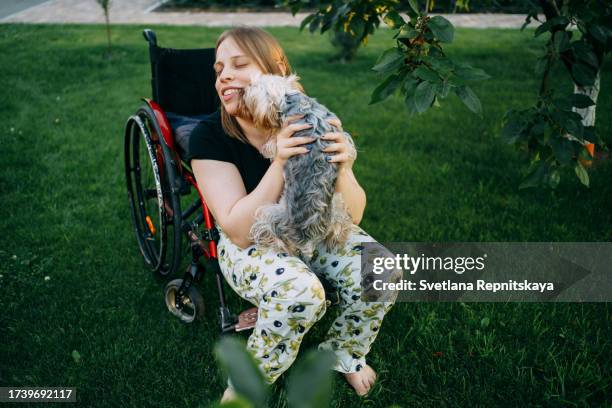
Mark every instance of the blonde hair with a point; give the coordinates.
(266, 52)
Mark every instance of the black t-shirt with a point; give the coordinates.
(209, 141)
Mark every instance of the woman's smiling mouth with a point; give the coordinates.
(229, 93)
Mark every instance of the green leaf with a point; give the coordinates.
(328, 21)
(533, 14)
(539, 127)
(549, 24)
(76, 356)
(471, 74)
(342, 12)
(485, 322)
(553, 178)
(314, 24)
(238, 402)
(512, 130)
(561, 41)
(583, 74)
(242, 370)
(407, 32)
(573, 128)
(582, 174)
(358, 27)
(581, 101)
(410, 102)
(389, 60)
(385, 88)
(310, 382)
(410, 85)
(414, 5)
(443, 65)
(306, 21)
(598, 32)
(424, 96)
(541, 131)
(442, 29)
(427, 74)
(563, 103)
(563, 150)
(585, 54)
(540, 65)
(295, 8)
(536, 176)
(394, 20)
(588, 132)
(542, 28)
(469, 98)
(444, 89)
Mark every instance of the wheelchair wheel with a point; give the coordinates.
(189, 307)
(155, 204)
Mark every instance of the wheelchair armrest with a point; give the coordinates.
(150, 36)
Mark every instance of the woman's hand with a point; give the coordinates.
(286, 145)
(340, 151)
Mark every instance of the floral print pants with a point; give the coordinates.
(290, 298)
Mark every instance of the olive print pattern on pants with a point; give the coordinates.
(291, 298)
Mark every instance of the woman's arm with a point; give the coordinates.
(225, 194)
(354, 196)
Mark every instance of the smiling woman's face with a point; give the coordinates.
(234, 70)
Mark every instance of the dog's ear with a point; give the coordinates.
(293, 82)
(263, 106)
(255, 76)
(270, 119)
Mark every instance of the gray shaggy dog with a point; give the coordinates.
(309, 210)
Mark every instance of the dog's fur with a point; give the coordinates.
(309, 210)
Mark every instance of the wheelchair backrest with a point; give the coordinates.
(183, 81)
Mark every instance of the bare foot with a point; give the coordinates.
(362, 380)
(228, 395)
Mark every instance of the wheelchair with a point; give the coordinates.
(156, 142)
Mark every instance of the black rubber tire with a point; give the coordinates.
(193, 301)
(154, 200)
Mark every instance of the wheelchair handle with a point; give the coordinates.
(150, 36)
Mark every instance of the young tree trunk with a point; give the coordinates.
(588, 114)
(108, 32)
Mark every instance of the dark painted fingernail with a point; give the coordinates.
(328, 158)
(309, 147)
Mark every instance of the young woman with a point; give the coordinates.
(235, 180)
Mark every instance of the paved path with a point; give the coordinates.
(140, 12)
(10, 7)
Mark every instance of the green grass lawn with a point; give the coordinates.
(441, 176)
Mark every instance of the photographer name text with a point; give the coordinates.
(480, 285)
(458, 265)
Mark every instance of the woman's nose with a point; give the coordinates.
(226, 74)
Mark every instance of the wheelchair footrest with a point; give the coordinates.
(247, 319)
